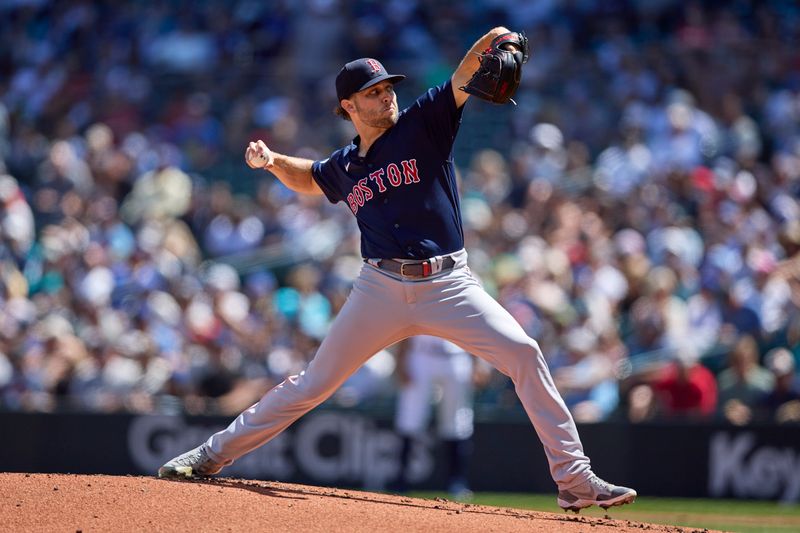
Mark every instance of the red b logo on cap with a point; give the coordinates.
(374, 65)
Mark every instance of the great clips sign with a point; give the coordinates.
(326, 447)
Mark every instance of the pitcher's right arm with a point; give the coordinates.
(294, 172)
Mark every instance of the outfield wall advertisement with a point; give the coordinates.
(355, 449)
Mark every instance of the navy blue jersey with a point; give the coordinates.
(403, 192)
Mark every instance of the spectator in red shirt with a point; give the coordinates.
(678, 388)
(686, 388)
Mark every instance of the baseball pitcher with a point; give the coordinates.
(398, 178)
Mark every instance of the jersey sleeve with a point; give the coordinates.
(440, 115)
(324, 173)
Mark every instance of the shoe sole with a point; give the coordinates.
(577, 505)
(176, 472)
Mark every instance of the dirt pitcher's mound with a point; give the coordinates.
(70, 503)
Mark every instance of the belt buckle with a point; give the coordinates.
(403, 270)
(426, 269)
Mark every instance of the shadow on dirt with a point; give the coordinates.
(266, 488)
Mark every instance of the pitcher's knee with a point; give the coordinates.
(528, 358)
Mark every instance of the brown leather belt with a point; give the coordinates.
(415, 269)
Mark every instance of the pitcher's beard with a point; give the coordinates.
(376, 120)
(386, 123)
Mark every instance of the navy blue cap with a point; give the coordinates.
(362, 73)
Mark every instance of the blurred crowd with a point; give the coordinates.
(638, 212)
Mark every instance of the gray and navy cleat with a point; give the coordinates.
(194, 463)
(594, 491)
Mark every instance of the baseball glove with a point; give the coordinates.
(500, 71)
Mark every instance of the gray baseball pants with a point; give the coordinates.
(381, 310)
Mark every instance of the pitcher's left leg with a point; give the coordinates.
(469, 317)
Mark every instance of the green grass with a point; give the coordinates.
(725, 515)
